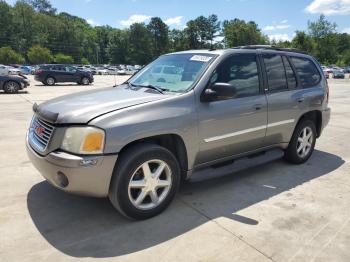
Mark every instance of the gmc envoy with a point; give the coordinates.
(136, 142)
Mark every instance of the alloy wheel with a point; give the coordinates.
(305, 140)
(150, 184)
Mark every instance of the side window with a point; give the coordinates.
(69, 69)
(291, 78)
(241, 71)
(276, 75)
(307, 72)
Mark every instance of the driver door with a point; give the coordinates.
(238, 125)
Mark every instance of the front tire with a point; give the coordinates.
(11, 87)
(144, 182)
(302, 143)
(85, 81)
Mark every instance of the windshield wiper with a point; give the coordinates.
(160, 90)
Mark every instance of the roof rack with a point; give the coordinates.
(270, 47)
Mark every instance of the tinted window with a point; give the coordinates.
(56, 68)
(241, 71)
(307, 71)
(291, 78)
(70, 69)
(276, 75)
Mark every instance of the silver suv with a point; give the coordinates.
(135, 143)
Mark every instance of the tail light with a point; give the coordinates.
(39, 71)
(327, 92)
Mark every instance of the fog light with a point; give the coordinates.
(61, 179)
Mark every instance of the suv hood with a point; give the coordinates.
(80, 108)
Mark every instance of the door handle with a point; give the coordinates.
(301, 99)
(258, 107)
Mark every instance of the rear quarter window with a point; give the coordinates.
(307, 71)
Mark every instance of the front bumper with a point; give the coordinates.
(25, 84)
(82, 179)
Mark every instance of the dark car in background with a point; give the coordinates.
(338, 74)
(12, 84)
(52, 74)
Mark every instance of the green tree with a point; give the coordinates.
(177, 40)
(42, 6)
(140, 44)
(63, 59)
(6, 24)
(9, 56)
(192, 35)
(303, 41)
(39, 55)
(160, 37)
(118, 46)
(323, 35)
(238, 32)
(85, 61)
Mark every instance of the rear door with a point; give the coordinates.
(57, 72)
(283, 96)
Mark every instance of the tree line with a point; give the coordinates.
(32, 31)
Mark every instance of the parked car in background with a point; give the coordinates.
(101, 71)
(326, 73)
(4, 70)
(338, 74)
(26, 70)
(93, 70)
(34, 68)
(51, 74)
(12, 84)
(14, 70)
(347, 69)
(137, 142)
(112, 71)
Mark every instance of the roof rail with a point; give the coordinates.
(270, 47)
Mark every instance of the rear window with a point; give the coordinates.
(276, 75)
(307, 72)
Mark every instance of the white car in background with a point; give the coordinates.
(101, 71)
(4, 71)
(112, 71)
(13, 70)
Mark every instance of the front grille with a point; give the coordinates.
(40, 133)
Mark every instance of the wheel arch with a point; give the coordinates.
(51, 77)
(173, 142)
(316, 117)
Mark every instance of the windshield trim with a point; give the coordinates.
(214, 57)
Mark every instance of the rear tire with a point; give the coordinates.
(144, 182)
(11, 87)
(50, 81)
(302, 143)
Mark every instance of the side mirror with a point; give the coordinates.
(218, 91)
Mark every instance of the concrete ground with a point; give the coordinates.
(258, 210)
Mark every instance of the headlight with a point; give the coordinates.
(84, 140)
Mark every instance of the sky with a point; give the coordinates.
(277, 18)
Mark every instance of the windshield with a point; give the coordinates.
(174, 73)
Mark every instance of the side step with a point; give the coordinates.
(229, 162)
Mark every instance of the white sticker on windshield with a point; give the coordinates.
(201, 58)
